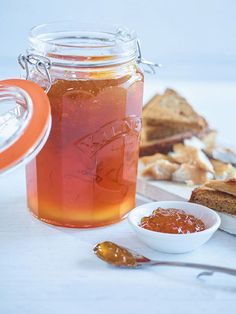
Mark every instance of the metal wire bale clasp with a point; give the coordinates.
(150, 67)
(42, 65)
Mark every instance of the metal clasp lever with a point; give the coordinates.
(150, 66)
(42, 65)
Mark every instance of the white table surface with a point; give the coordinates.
(47, 269)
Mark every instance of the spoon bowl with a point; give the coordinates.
(117, 255)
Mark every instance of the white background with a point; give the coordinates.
(193, 39)
(45, 269)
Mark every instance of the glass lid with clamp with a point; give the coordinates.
(25, 122)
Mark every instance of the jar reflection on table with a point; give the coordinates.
(85, 176)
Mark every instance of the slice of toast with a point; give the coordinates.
(165, 145)
(227, 186)
(220, 201)
(169, 109)
(165, 130)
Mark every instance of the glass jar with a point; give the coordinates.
(85, 175)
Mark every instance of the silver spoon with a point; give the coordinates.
(119, 256)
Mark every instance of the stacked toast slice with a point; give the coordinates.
(169, 119)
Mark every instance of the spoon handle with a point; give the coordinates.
(229, 271)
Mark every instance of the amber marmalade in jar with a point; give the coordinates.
(85, 176)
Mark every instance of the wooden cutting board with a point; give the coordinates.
(170, 191)
(154, 191)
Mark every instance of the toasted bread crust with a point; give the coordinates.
(228, 186)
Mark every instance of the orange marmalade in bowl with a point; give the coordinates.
(172, 220)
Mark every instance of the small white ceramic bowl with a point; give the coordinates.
(175, 243)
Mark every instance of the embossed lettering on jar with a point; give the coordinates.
(85, 176)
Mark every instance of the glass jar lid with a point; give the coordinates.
(25, 122)
(72, 44)
(69, 46)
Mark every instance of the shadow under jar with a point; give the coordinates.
(85, 176)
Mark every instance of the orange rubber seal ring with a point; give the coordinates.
(36, 127)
